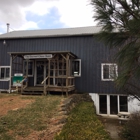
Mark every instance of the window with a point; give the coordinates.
(30, 68)
(109, 71)
(103, 104)
(4, 73)
(112, 104)
(76, 67)
(123, 103)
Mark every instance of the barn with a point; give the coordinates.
(62, 60)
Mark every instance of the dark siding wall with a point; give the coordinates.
(91, 52)
(4, 85)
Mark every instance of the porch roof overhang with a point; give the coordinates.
(21, 54)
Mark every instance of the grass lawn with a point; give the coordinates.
(33, 120)
(83, 124)
(17, 124)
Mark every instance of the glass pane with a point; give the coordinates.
(123, 103)
(30, 68)
(25, 65)
(7, 72)
(76, 67)
(2, 73)
(103, 104)
(112, 71)
(106, 71)
(113, 105)
(40, 72)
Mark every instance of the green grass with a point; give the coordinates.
(32, 118)
(83, 124)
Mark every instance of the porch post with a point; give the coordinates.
(48, 73)
(27, 72)
(10, 74)
(45, 77)
(67, 72)
(23, 74)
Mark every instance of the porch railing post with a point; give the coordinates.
(10, 75)
(27, 72)
(67, 72)
(45, 80)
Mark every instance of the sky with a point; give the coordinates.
(45, 14)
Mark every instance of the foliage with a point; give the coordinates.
(120, 20)
(131, 130)
(34, 117)
(83, 124)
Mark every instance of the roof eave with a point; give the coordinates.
(44, 36)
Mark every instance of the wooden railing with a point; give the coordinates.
(22, 84)
(44, 80)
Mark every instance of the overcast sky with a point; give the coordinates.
(45, 14)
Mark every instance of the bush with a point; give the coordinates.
(131, 130)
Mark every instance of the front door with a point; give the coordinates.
(39, 72)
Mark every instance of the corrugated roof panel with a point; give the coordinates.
(52, 32)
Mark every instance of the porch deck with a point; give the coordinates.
(50, 88)
(40, 89)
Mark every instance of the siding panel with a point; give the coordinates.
(91, 52)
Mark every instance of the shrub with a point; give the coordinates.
(131, 130)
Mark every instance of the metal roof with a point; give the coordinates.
(52, 32)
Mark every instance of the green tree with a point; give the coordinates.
(120, 20)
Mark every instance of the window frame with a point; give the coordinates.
(5, 78)
(109, 104)
(79, 75)
(28, 67)
(102, 71)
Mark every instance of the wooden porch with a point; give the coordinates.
(40, 89)
(57, 74)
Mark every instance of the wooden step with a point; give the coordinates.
(33, 89)
(32, 93)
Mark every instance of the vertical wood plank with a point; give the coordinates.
(27, 72)
(10, 74)
(45, 77)
(48, 72)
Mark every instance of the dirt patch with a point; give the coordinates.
(8, 103)
(54, 126)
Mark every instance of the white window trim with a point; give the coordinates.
(111, 79)
(79, 68)
(32, 67)
(6, 79)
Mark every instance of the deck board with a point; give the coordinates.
(51, 88)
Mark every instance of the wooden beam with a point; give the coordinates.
(67, 69)
(10, 81)
(45, 78)
(71, 55)
(53, 55)
(63, 56)
(48, 72)
(27, 61)
(14, 57)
